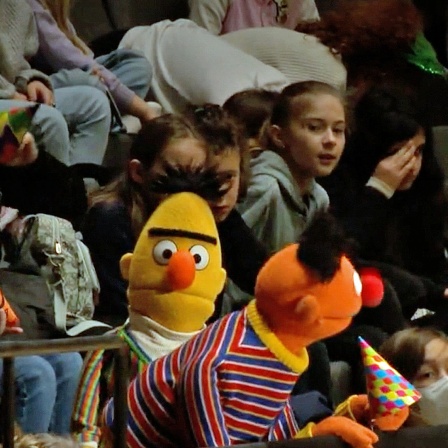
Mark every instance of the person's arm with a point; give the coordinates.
(54, 45)
(361, 210)
(15, 70)
(209, 14)
(60, 53)
(7, 89)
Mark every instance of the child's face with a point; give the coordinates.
(227, 166)
(315, 135)
(435, 364)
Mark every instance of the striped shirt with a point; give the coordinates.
(97, 385)
(223, 387)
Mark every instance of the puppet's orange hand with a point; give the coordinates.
(392, 422)
(353, 433)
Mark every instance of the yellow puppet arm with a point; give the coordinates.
(306, 431)
(355, 407)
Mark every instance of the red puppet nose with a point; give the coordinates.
(372, 287)
(181, 270)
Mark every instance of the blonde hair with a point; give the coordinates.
(42, 440)
(60, 10)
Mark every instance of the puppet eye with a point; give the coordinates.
(357, 282)
(201, 257)
(163, 251)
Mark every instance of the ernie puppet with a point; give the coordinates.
(231, 383)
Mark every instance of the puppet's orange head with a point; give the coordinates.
(309, 291)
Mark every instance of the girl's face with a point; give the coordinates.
(314, 138)
(418, 141)
(227, 166)
(435, 364)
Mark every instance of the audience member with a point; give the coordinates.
(388, 193)
(125, 73)
(45, 388)
(252, 110)
(299, 56)
(421, 356)
(224, 16)
(227, 155)
(72, 123)
(306, 139)
(192, 66)
(381, 43)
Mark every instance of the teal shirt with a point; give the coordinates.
(275, 208)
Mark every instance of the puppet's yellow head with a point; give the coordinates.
(175, 272)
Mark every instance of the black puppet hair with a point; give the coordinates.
(176, 179)
(322, 245)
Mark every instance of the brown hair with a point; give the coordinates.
(293, 93)
(405, 350)
(149, 143)
(221, 133)
(60, 10)
(251, 109)
(371, 36)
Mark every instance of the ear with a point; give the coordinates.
(125, 264)
(275, 132)
(308, 310)
(135, 169)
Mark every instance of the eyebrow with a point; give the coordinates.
(159, 231)
(311, 118)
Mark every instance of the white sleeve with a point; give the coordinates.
(301, 11)
(209, 14)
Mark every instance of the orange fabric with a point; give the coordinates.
(11, 318)
(353, 433)
(299, 308)
(392, 422)
(181, 270)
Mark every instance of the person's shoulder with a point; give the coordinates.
(107, 214)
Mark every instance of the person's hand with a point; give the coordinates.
(96, 71)
(7, 216)
(394, 168)
(7, 330)
(445, 294)
(38, 92)
(153, 110)
(19, 96)
(26, 153)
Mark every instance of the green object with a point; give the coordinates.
(423, 55)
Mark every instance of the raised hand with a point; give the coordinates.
(394, 168)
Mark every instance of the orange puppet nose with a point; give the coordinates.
(181, 270)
